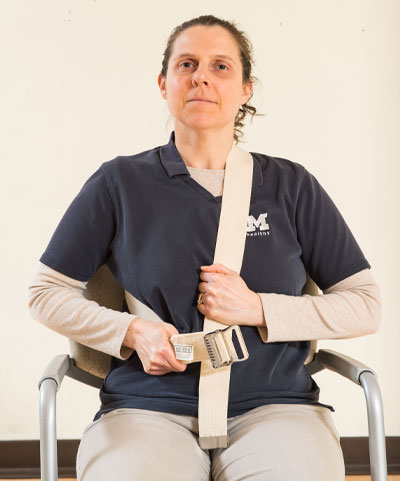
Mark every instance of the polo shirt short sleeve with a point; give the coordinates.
(82, 240)
(330, 252)
(154, 226)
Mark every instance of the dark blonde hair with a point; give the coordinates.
(246, 58)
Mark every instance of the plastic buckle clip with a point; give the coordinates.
(221, 350)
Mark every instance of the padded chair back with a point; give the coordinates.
(106, 291)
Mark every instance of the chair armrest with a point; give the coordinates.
(56, 369)
(362, 375)
(62, 365)
(343, 365)
(49, 384)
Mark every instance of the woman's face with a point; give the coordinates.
(203, 87)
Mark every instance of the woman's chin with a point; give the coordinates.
(201, 123)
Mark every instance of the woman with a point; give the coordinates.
(153, 218)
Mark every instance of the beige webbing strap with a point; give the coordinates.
(231, 237)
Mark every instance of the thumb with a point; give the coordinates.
(174, 362)
(171, 330)
(218, 268)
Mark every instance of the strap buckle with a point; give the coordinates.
(220, 348)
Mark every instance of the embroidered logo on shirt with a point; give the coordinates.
(257, 227)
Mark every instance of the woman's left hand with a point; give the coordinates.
(227, 299)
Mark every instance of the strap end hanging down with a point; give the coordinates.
(214, 442)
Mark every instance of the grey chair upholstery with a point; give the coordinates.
(89, 366)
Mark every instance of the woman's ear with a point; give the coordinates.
(161, 84)
(247, 91)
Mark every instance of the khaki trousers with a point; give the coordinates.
(276, 442)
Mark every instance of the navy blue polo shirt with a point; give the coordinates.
(154, 226)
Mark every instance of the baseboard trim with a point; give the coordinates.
(21, 459)
(356, 454)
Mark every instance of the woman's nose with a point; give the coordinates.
(200, 75)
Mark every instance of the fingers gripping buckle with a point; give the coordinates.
(220, 347)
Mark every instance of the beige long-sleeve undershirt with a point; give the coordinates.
(350, 308)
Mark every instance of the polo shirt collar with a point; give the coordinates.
(174, 164)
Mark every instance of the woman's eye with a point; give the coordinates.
(188, 64)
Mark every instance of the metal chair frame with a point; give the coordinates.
(355, 371)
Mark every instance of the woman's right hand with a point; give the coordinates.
(150, 340)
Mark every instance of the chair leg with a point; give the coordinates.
(376, 428)
(48, 435)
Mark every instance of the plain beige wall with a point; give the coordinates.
(79, 87)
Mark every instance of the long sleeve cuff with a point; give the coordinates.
(350, 308)
(59, 302)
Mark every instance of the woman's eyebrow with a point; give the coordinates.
(215, 55)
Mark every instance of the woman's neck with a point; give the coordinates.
(204, 149)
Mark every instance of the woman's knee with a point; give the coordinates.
(281, 442)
